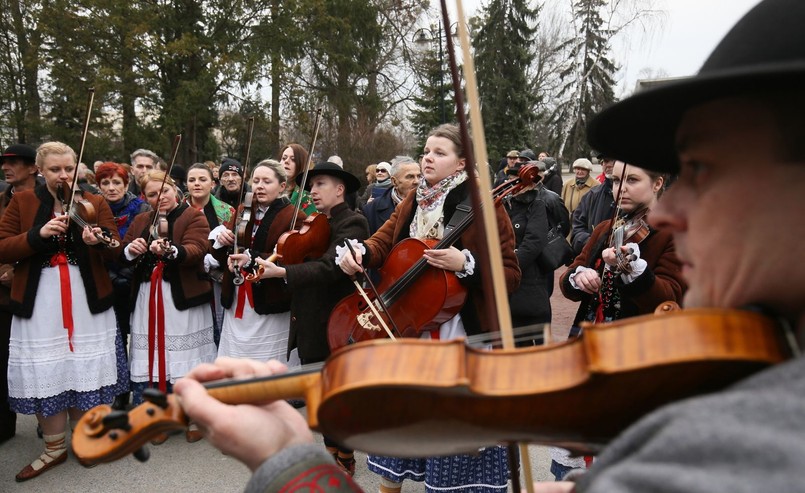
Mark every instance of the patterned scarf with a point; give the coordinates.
(429, 218)
(223, 211)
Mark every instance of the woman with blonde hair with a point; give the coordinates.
(65, 354)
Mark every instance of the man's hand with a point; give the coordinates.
(249, 432)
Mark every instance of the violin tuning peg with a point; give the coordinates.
(155, 397)
(142, 454)
(117, 420)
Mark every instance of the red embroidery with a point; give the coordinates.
(320, 479)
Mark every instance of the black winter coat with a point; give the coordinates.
(596, 206)
(530, 303)
(318, 285)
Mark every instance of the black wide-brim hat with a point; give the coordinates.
(22, 151)
(764, 51)
(351, 183)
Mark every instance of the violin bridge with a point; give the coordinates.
(365, 321)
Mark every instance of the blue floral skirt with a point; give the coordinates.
(485, 472)
(50, 406)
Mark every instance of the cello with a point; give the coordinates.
(405, 275)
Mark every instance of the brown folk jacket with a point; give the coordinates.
(188, 230)
(20, 242)
(661, 281)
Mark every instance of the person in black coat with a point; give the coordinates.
(317, 285)
(530, 303)
(405, 176)
(553, 175)
(596, 207)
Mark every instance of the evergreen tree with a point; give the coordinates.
(503, 55)
(587, 82)
(433, 102)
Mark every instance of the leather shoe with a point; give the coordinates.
(29, 472)
(193, 434)
(159, 439)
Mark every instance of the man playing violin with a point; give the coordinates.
(734, 233)
(316, 285)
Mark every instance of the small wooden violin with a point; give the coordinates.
(83, 214)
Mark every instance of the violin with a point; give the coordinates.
(83, 214)
(442, 398)
(310, 241)
(158, 229)
(313, 237)
(632, 228)
(405, 275)
(244, 210)
(77, 208)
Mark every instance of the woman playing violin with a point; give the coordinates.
(200, 182)
(294, 158)
(611, 286)
(647, 271)
(171, 328)
(424, 214)
(65, 353)
(257, 316)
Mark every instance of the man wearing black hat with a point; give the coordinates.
(734, 135)
(318, 284)
(231, 177)
(19, 167)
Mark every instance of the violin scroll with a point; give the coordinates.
(106, 435)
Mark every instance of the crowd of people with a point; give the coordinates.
(146, 312)
(171, 283)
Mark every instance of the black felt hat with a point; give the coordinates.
(351, 183)
(22, 151)
(764, 51)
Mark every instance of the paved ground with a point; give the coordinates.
(177, 466)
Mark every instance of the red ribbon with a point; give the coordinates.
(244, 292)
(60, 259)
(156, 327)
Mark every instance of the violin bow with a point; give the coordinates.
(249, 135)
(240, 211)
(477, 156)
(298, 205)
(369, 302)
(174, 152)
(84, 131)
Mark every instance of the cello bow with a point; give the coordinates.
(497, 306)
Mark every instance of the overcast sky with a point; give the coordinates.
(691, 30)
